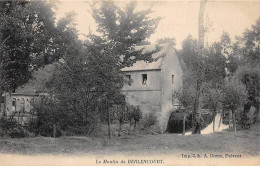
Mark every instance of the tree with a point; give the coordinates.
(214, 65)
(189, 52)
(76, 82)
(234, 96)
(120, 31)
(245, 60)
(194, 56)
(29, 40)
(49, 119)
(123, 29)
(201, 72)
(28, 31)
(76, 89)
(212, 100)
(251, 40)
(188, 92)
(250, 77)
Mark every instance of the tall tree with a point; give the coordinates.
(189, 53)
(234, 97)
(247, 52)
(121, 29)
(29, 40)
(251, 39)
(250, 77)
(201, 72)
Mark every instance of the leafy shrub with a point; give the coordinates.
(9, 127)
(7, 123)
(134, 113)
(19, 132)
(149, 120)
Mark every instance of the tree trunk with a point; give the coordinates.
(234, 120)
(220, 120)
(200, 73)
(183, 124)
(201, 27)
(54, 131)
(1, 100)
(197, 106)
(230, 120)
(108, 123)
(4, 110)
(120, 129)
(214, 118)
(130, 126)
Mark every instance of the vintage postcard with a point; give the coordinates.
(130, 83)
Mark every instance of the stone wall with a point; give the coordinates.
(146, 96)
(18, 103)
(157, 94)
(171, 81)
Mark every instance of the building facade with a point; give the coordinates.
(19, 104)
(151, 86)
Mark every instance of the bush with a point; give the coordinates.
(134, 113)
(9, 127)
(19, 132)
(149, 120)
(7, 124)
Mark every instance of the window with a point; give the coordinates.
(144, 79)
(13, 102)
(128, 77)
(22, 104)
(172, 79)
(13, 105)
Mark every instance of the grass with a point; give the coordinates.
(243, 142)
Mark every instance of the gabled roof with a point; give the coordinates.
(37, 83)
(157, 57)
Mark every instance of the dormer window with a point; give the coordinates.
(128, 77)
(144, 79)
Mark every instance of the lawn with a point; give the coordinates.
(168, 145)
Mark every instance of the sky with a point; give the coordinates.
(180, 17)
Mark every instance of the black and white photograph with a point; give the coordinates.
(129, 82)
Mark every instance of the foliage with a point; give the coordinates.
(134, 113)
(250, 77)
(29, 40)
(81, 82)
(47, 115)
(215, 64)
(122, 29)
(78, 97)
(234, 95)
(186, 96)
(251, 41)
(149, 120)
(212, 99)
(189, 52)
(9, 127)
